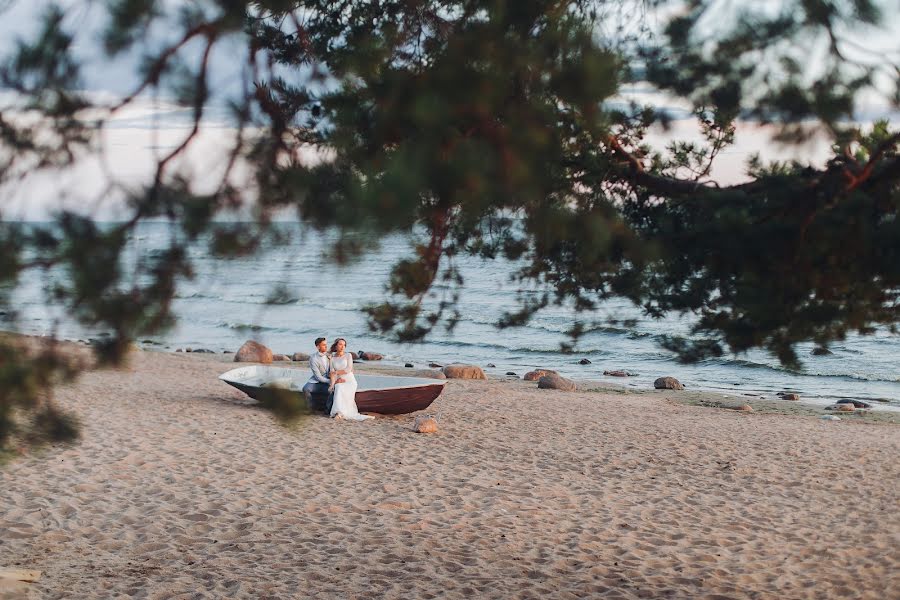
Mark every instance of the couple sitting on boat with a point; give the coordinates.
(332, 374)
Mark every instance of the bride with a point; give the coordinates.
(344, 383)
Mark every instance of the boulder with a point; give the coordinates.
(363, 355)
(204, 351)
(557, 382)
(790, 396)
(458, 371)
(844, 408)
(408, 365)
(744, 408)
(431, 374)
(855, 403)
(434, 365)
(617, 373)
(253, 352)
(667, 383)
(426, 424)
(281, 358)
(584, 361)
(821, 352)
(299, 357)
(511, 373)
(491, 366)
(538, 373)
(354, 356)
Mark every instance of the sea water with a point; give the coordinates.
(230, 301)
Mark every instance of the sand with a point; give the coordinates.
(181, 488)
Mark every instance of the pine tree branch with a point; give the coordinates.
(866, 172)
(661, 185)
(207, 29)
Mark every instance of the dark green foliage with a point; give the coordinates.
(490, 128)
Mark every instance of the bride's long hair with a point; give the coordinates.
(334, 345)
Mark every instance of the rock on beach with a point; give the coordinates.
(253, 352)
(617, 373)
(459, 371)
(426, 425)
(667, 383)
(538, 373)
(557, 382)
(855, 403)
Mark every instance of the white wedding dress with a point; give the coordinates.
(345, 393)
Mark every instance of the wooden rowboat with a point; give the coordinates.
(383, 394)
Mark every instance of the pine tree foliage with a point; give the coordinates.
(484, 127)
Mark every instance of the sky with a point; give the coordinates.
(133, 141)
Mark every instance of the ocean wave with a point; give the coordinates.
(777, 368)
(562, 327)
(249, 327)
(198, 296)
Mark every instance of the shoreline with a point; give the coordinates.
(811, 405)
(749, 384)
(182, 487)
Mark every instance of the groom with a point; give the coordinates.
(318, 383)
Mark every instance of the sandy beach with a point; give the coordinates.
(181, 488)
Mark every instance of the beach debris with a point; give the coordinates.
(408, 365)
(830, 418)
(617, 373)
(430, 373)
(281, 358)
(821, 352)
(253, 352)
(460, 371)
(538, 373)
(426, 424)
(584, 361)
(557, 382)
(855, 403)
(363, 355)
(299, 356)
(667, 383)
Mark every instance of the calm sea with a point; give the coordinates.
(226, 304)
